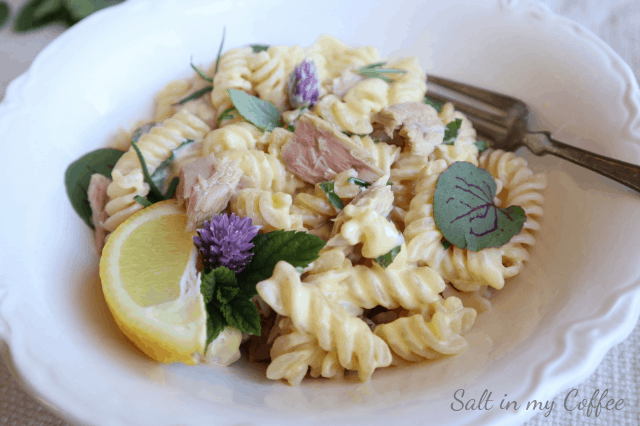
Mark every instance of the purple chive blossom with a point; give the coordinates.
(226, 241)
(303, 86)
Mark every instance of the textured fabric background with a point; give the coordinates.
(617, 22)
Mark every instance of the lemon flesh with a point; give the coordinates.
(151, 285)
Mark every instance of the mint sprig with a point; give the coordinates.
(262, 114)
(451, 132)
(387, 259)
(436, 104)
(464, 211)
(332, 197)
(374, 71)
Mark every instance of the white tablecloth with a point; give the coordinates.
(617, 22)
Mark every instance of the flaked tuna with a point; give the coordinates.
(97, 194)
(203, 167)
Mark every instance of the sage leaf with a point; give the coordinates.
(78, 176)
(464, 211)
(262, 114)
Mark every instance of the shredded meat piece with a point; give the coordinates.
(417, 124)
(202, 167)
(318, 151)
(97, 194)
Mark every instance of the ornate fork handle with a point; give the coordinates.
(628, 174)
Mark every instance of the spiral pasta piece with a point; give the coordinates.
(264, 171)
(357, 348)
(155, 146)
(274, 141)
(383, 154)
(233, 137)
(410, 86)
(270, 70)
(417, 338)
(314, 208)
(464, 148)
(234, 72)
(267, 209)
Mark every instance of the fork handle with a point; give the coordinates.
(628, 174)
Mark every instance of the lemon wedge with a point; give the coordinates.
(150, 282)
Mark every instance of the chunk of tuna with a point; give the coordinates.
(97, 194)
(417, 124)
(203, 167)
(318, 151)
(210, 196)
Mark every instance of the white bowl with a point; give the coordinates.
(578, 296)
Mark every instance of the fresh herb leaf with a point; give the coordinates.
(224, 33)
(464, 211)
(154, 192)
(80, 9)
(228, 114)
(166, 169)
(207, 285)
(142, 201)
(215, 323)
(261, 114)
(387, 259)
(359, 182)
(195, 95)
(332, 197)
(297, 248)
(201, 73)
(4, 13)
(436, 104)
(32, 15)
(389, 182)
(257, 48)
(446, 244)
(142, 130)
(243, 315)
(374, 71)
(451, 132)
(171, 190)
(226, 294)
(481, 145)
(78, 176)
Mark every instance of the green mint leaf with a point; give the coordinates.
(464, 211)
(227, 114)
(360, 182)
(166, 169)
(153, 189)
(207, 285)
(78, 176)
(80, 9)
(5, 12)
(297, 248)
(261, 114)
(225, 277)
(226, 294)
(387, 259)
(482, 145)
(374, 71)
(195, 95)
(224, 33)
(436, 104)
(243, 315)
(38, 13)
(142, 201)
(446, 244)
(332, 197)
(451, 132)
(201, 73)
(257, 48)
(216, 323)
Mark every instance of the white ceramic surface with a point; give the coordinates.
(551, 326)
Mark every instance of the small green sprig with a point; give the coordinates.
(481, 145)
(374, 71)
(436, 104)
(328, 188)
(198, 93)
(451, 132)
(387, 259)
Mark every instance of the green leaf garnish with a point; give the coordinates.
(360, 182)
(257, 48)
(215, 323)
(224, 33)
(481, 145)
(451, 132)
(387, 259)
(78, 176)
(374, 71)
(464, 211)
(436, 104)
(38, 13)
(297, 248)
(154, 192)
(201, 73)
(446, 244)
(332, 197)
(261, 114)
(4, 13)
(80, 9)
(195, 95)
(243, 315)
(142, 201)
(166, 169)
(228, 114)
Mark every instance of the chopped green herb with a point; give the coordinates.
(261, 114)
(228, 114)
(154, 192)
(166, 169)
(389, 182)
(78, 176)
(374, 71)
(375, 140)
(201, 73)
(257, 48)
(451, 132)
(224, 33)
(436, 104)
(195, 95)
(142, 201)
(387, 259)
(446, 244)
(481, 145)
(332, 197)
(359, 182)
(465, 213)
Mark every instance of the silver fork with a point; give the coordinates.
(504, 120)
